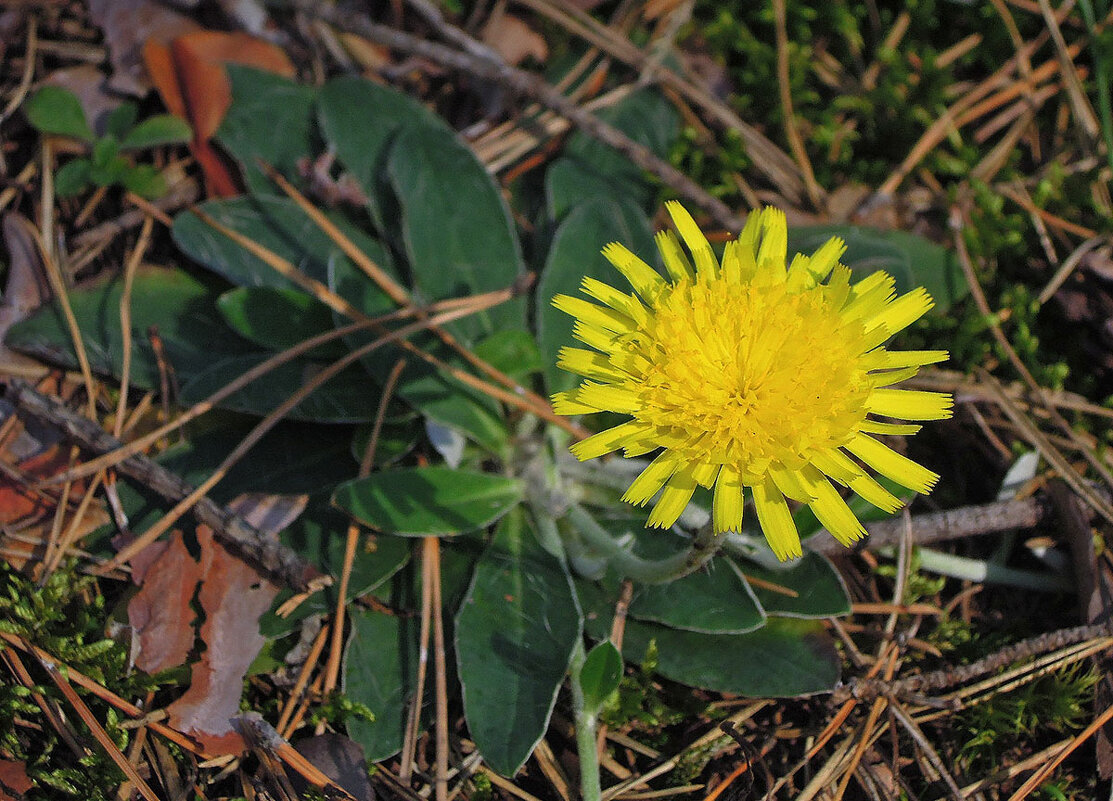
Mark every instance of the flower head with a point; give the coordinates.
(751, 373)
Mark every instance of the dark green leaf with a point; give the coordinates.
(161, 129)
(106, 152)
(54, 110)
(786, 657)
(280, 226)
(819, 591)
(600, 675)
(360, 120)
(911, 259)
(513, 352)
(379, 669)
(182, 308)
(575, 253)
(514, 638)
(73, 178)
(270, 118)
(144, 181)
(395, 441)
(350, 397)
(121, 119)
(456, 230)
(277, 319)
(588, 168)
(428, 500)
(714, 600)
(320, 536)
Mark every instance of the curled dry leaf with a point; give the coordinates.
(189, 75)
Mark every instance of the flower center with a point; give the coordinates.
(742, 374)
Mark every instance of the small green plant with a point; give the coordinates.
(1056, 702)
(57, 111)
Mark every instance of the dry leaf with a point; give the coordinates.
(233, 597)
(127, 26)
(514, 40)
(161, 612)
(189, 75)
(14, 781)
(339, 758)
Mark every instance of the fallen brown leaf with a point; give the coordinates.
(190, 76)
(514, 40)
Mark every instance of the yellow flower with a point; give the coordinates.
(751, 374)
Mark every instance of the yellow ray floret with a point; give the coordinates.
(751, 377)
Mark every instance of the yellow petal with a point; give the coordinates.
(905, 310)
(610, 397)
(775, 520)
(607, 441)
(788, 482)
(882, 359)
(726, 507)
(647, 484)
(695, 240)
(705, 474)
(644, 279)
(674, 498)
(891, 464)
(773, 249)
(589, 364)
(675, 261)
(594, 315)
(619, 301)
(569, 403)
(893, 429)
(910, 404)
(830, 508)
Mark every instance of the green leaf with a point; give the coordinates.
(360, 120)
(513, 352)
(349, 397)
(574, 254)
(277, 319)
(73, 178)
(379, 671)
(320, 536)
(428, 500)
(423, 182)
(445, 198)
(145, 181)
(205, 353)
(161, 129)
(121, 120)
(588, 168)
(715, 600)
(785, 658)
(54, 110)
(515, 633)
(278, 225)
(600, 675)
(911, 259)
(270, 118)
(291, 459)
(819, 590)
(181, 307)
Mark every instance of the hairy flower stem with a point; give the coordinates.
(649, 571)
(585, 720)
